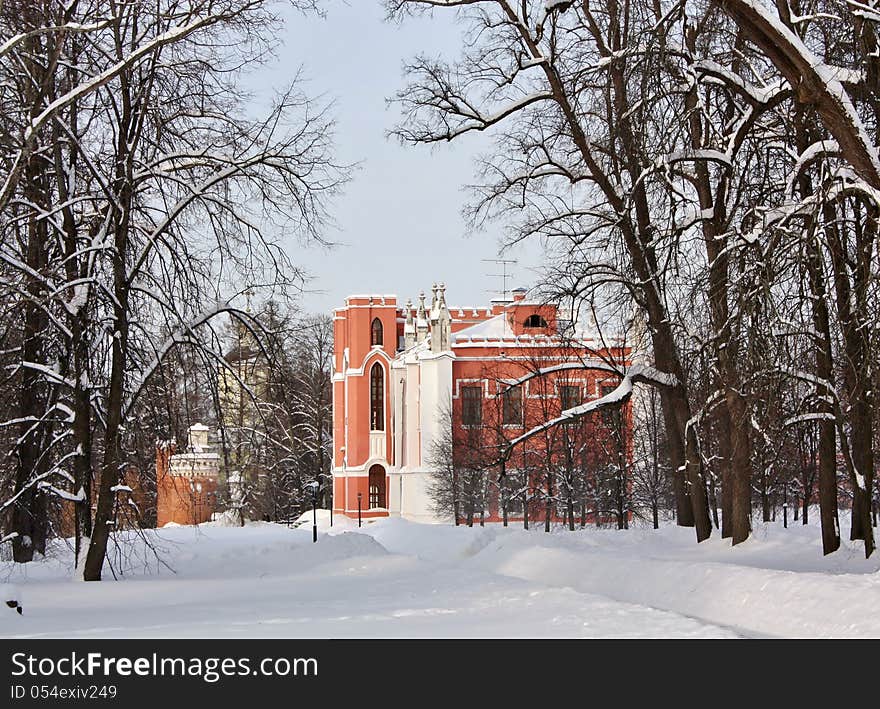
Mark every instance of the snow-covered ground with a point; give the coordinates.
(394, 578)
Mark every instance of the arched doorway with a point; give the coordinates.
(377, 486)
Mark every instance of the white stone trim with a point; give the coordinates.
(360, 371)
(466, 380)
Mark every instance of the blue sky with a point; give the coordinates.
(399, 224)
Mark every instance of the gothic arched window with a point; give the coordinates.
(535, 321)
(376, 332)
(377, 486)
(377, 398)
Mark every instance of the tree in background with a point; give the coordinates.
(276, 412)
(712, 168)
(137, 199)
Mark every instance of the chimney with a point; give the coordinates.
(519, 294)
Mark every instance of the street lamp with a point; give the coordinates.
(359, 509)
(313, 488)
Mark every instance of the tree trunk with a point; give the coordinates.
(827, 444)
(730, 413)
(29, 510)
(713, 501)
(741, 509)
(827, 449)
(548, 505)
(785, 507)
(455, 503)
(851, 301)
(112, 463)
(638, 235)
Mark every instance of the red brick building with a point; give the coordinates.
(187, 483)
(406, 378)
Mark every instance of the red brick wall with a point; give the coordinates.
(181, 499)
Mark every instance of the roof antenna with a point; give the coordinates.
(504, 275)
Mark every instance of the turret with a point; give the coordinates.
(198, 438)
(421, 320)
(409, 327)
(441, 321)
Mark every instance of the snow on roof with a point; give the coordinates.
(498, 328)
(465, 311)
(494, 328)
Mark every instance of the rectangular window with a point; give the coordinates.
(570, 396)
(471, 405)
(512, 409)
(609, 414)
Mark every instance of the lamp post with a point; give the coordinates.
(359, 509)
(314, 519)
(313, 488)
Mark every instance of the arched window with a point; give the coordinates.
(376, 483)
(377, 398)
(376, 332)
(535, 321)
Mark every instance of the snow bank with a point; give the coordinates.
(777, 583)
(750, 600)
(393, 578)
(323, 518)
(431, 542)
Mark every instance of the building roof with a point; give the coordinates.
(242, 353)
(495, 328)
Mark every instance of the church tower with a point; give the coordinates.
(365, 341)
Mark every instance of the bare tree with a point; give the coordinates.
(160, 200)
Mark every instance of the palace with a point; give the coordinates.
(409, 379)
